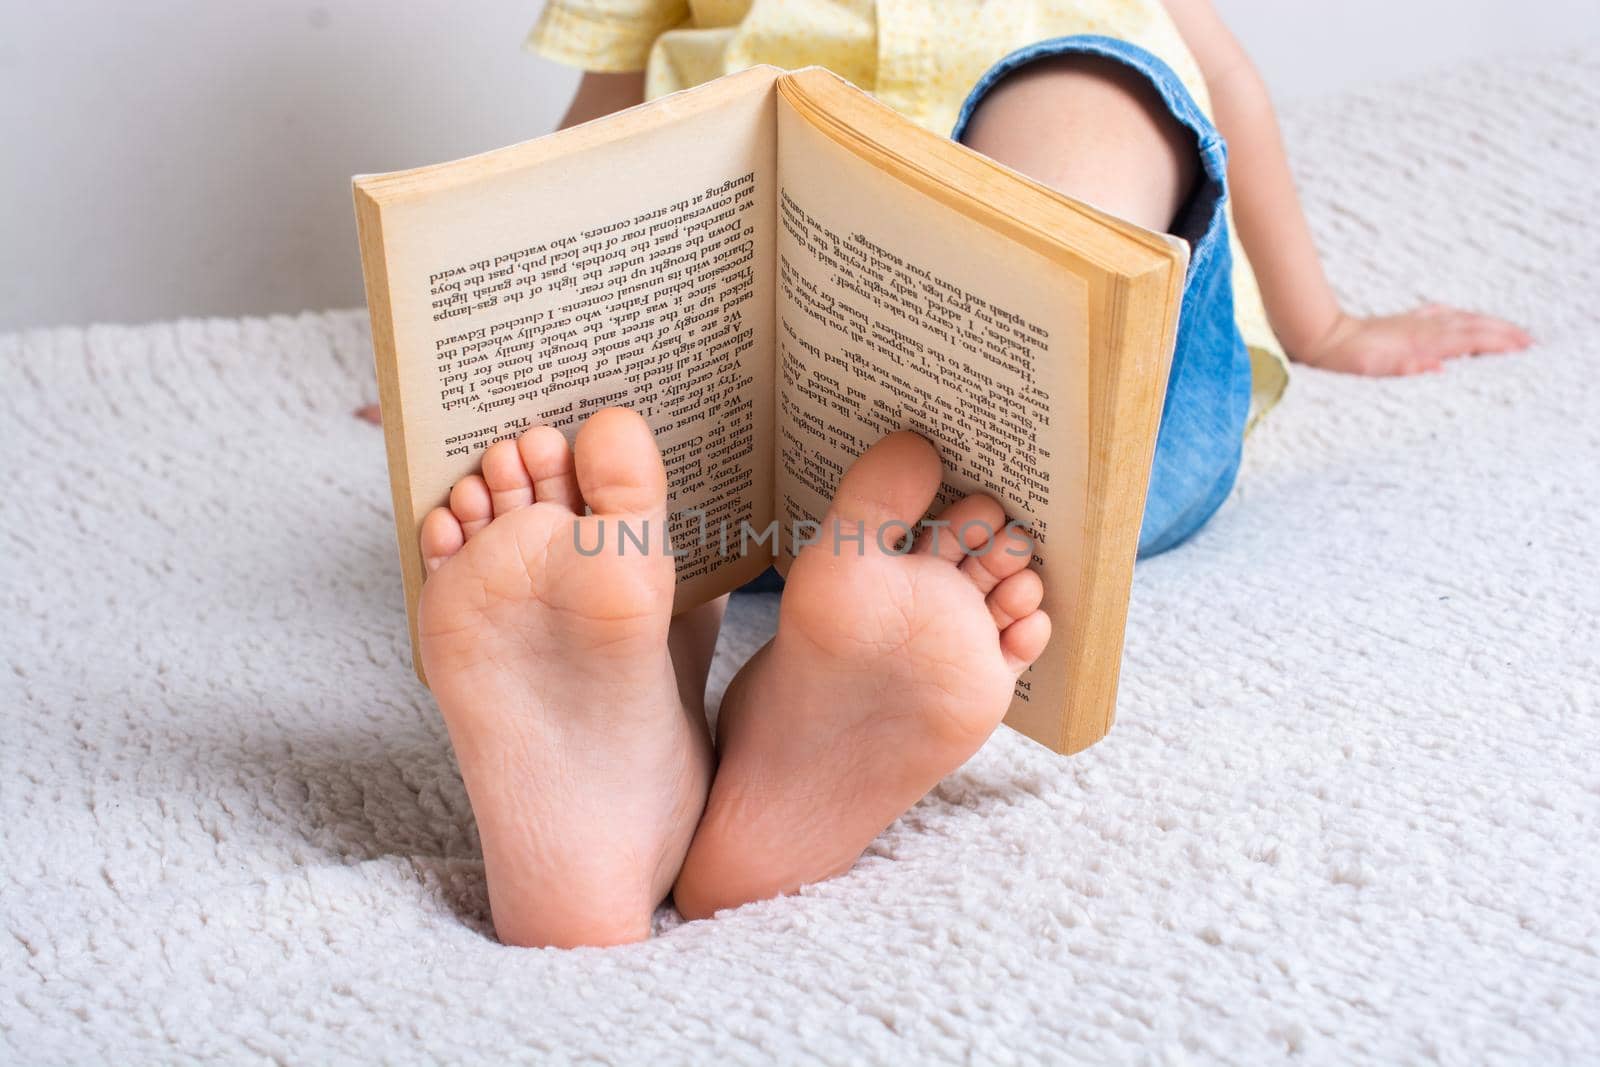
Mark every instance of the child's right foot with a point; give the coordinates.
(586, 767)
(887, 673)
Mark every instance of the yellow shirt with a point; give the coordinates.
(918, 56)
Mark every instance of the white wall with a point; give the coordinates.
(189, 157)
(182, 157)
(1307, 49)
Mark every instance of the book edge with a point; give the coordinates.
(1128, 390)
(375, 276)
(398, 186)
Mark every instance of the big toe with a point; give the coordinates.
(892, 484)
(619, 466)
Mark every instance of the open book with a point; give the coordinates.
(777, 271)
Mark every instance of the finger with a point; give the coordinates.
(1477, 334)
(1516, 337)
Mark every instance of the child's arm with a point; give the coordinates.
(601, 94)
(1300, 303)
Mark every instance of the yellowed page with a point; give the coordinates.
(895, 312)
(632, 269)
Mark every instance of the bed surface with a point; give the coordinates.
(1350, 809)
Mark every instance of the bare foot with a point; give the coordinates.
(369, 413)
(586, 766)
(886, 674)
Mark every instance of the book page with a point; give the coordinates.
(896, 311)
(634, 272)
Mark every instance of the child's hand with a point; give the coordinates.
(1412, 342)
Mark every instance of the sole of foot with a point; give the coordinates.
(888, 671)
(586, 766)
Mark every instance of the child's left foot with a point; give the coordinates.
(886, 674)
(546, 644)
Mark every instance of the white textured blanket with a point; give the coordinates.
(1350, 809)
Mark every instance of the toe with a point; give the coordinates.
(891, 485)
(1015, 598)
(964, 527)
(1006, 554)
(471, 504)
(548, 459)
(441, 538)
(618, 465)
(510, 487)
(1023, 641)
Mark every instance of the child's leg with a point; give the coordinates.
(586, 763)
(692, 641)
(887, 672)
(1095, 130)
(1108, 123)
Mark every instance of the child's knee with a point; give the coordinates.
(1093, 128)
